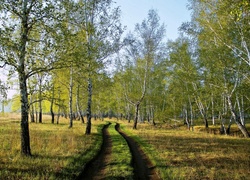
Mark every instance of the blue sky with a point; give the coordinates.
(172, 13)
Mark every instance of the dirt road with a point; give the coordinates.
(95, 169)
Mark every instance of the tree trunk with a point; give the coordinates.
(152, 115)
(52, 115)
(32, 115)
(191, 114)
(78, 105)
(223, 128)
(88, 127)
(229, 126)
(240, 109)
(236, 118)
(81, 116)
(203, 113)
(70, 98)
(213, 118)
(137, 105)
(25, 137)
(36, 116)
(40, 100)
(186, 117)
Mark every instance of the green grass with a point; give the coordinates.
(120, 162)
(57, 151)
(182, 154)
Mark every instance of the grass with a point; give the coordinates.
(234, 130)
(120, 163)
(58, 152)
(182, 154)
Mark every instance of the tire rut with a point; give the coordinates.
(143, 167)
(95, 169)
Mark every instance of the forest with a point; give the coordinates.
(74, 66)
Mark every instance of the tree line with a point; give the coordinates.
(60, 52)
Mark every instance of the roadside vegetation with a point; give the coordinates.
(181, 154)
(58, 152)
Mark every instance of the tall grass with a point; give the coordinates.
(182, 154)
(58, 152)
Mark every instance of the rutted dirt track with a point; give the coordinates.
(95, 169)
(143, 167)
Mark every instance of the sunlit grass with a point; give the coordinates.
(58, 152)
(120, 163)
(182, 154)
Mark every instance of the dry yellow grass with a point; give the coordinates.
(182, 154)
(58, 152)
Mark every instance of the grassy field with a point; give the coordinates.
(182, 154)
(58, 152)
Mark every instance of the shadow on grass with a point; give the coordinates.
(78, 161)
(195, 157)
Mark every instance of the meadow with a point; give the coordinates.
(60, 152)
(182, 154)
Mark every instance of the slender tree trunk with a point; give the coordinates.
(236, 118)
(89, 20)
(51, 106)
(36, 116)
(137, 105)
(40, 100)
(152, 115)
(59, 107)
(203, 112)
(223, 129)
(58, 115)
(229, 126)
(88, 127)
(25, 137)
(78, 105)
(32, 115)
(191, 114)
(213, 119)
(186, 117)
(70, 98)
(240, 109)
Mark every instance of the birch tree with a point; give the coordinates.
(142, 55)
(100, 23)
(21, 21)
(224, 32)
